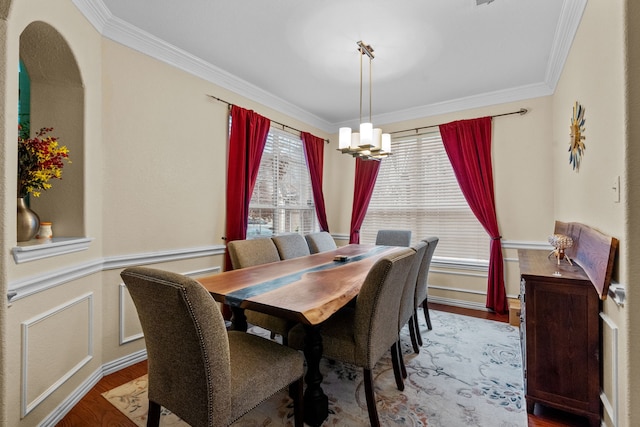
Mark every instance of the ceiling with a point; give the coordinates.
(301, 58)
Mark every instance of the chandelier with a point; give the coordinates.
(368, 143)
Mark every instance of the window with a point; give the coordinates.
(282, 199)
(417, 190)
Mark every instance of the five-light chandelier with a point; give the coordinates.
(368, 143)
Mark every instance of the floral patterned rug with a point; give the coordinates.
(468, 373)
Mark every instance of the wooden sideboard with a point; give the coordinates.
(560, 335)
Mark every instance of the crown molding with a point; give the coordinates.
(570, 17)
(133, 37)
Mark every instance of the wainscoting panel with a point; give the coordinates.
(67, 331)
(129, 325)
(609, 394)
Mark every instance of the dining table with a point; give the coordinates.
(306, 290)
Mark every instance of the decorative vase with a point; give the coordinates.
(28, 222)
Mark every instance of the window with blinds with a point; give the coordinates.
(417, 190)
(282, 199)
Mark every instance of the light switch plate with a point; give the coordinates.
(616, 189)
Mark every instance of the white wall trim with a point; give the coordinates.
(457, 303)
(128, 35)
(26, 406)
(21, 288)
(123, 295)
(63, 409)
(49, 248)
(611, 405)
(570, 17)
(122, 320)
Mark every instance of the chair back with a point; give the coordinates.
(291, 245)
(187, 344)
(247, 253)
(377, 307)
(421, 283)
(409, 289)
(394, 238)
(320, 242)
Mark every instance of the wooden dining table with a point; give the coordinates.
(307, 290)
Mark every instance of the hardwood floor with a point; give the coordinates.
(94, 410)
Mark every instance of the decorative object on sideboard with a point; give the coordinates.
(576, 143)
(40, 159)
(560, 242)
(368, 143)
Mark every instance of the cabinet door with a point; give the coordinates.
(563, 344)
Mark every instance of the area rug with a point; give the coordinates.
(468, 373)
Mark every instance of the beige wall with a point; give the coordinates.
(153, 165)
(594, 75)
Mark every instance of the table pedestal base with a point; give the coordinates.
(316, 403)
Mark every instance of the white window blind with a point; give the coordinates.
(417, 190)
(282, 199)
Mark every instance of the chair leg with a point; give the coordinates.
(371, 398)
(397, 369)
(296, 393)
(425, 308)
(153, 417)
(403, 368)
(416, 324)
(414, 338)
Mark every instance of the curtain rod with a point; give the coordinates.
(521, 111)
(284, 127)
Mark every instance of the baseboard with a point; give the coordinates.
(72, 400)
(458, 303)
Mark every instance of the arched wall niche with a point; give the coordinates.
(57, 101)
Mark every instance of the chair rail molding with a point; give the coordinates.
(25, 287)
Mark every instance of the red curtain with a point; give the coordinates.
(468, 145)
(314, 153)
(366, 174)
(247, 140)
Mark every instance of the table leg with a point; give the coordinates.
(316, 403)
(238, 319)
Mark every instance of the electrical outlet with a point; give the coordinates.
(616, 189)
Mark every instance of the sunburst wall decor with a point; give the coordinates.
(576, 145)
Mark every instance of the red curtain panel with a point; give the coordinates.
(365, 181)
(314, 153)
(246, 143)
(468, 145)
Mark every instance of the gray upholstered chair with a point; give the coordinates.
(292, 245)
(247, 253)
(320, 242)
(394, 238)
(421, 285)
(361, 335)
(199, 371)
(405, 315)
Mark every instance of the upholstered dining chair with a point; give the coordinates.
(361, 335)
(292, 245)
(405, 315)
(247, 253)
(421, 286)
(321, 241)
(197, 370)
(394, 238)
